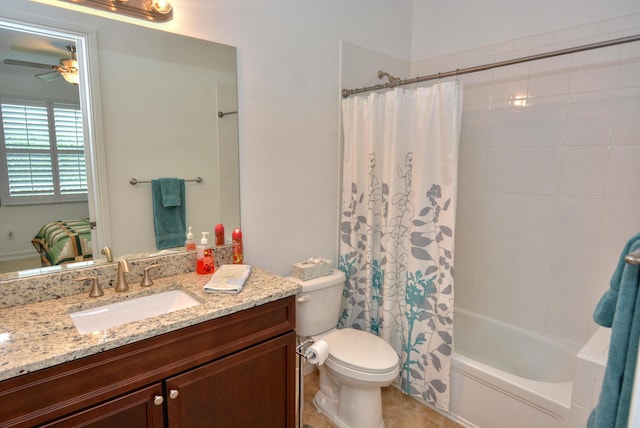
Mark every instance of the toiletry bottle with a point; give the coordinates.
(204, 256)
(189, 244)
(236, 238)
(219, 234)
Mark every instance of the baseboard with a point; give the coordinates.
(19, 255)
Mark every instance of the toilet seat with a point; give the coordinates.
(361, 351)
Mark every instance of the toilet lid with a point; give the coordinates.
(361, 351)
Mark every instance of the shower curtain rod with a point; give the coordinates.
(394, 81)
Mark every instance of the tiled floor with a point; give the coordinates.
(398, 410)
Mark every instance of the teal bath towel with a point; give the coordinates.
(171, 189)
(619, 308)
(169, 217)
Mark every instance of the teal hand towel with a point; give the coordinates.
(169, 221)
(171, 189)
(619, 308)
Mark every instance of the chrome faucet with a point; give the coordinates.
(123, 267)
(107, 252)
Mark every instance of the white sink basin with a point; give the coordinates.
(115, 314)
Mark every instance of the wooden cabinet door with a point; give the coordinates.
(252, 388)
(138, 409)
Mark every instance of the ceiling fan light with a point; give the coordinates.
(161, 7)
(69, 63)
(71, 77)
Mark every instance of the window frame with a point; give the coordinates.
(57, 197)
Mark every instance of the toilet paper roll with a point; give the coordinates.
(317, 353)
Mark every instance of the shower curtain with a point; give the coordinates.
(397, 227)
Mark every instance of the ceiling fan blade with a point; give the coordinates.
(54, 52)
(30, 64)
(50, 76)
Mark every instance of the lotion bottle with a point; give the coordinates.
(189, 244)
(204, 256)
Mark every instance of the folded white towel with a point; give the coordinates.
(228, 279)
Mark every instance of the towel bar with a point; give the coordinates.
(133, 181)
(633, 258)
(225, 113)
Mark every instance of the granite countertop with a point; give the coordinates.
(40, 335)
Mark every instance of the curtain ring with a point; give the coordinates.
(438, 77)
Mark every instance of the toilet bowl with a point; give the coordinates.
(360, 357)
(358, 363)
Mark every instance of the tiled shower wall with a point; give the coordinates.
(549, 172)
(549, 176)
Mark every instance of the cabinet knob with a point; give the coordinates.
(173, 394)
(158, 400)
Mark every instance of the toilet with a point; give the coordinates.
(358, 363)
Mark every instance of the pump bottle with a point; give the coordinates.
(189, 244)
(204, 256)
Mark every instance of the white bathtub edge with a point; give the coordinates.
(557, 392)
(552, 409)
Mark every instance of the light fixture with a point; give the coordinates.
(151, 10)
(161, 7)
(71, 76)
(69, 67)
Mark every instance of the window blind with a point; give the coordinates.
(44, 153)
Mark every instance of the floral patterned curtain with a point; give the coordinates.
(397, 227)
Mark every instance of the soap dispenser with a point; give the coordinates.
(204, 256)
(189, 244)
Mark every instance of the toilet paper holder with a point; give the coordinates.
(301, 349)
(314, 351)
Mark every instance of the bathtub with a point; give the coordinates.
(505, 377)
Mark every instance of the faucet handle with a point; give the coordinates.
(146, 278)
(96, 291)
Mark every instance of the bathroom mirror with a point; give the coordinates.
(160, 95)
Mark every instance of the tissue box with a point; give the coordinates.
(312, 268)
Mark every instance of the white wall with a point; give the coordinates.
(445, 27)
(288, 74)
(548, 194)
(288, 68)
(548, 190)
(288, 79)
(164, 125)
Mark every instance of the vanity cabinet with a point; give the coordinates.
(246, 389)
(141, 408)
(234, 371)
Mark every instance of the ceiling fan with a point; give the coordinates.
(68, 68)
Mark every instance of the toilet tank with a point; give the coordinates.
(318, 304)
